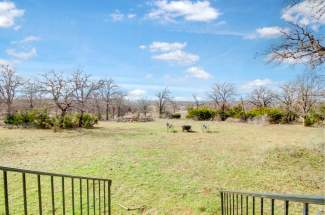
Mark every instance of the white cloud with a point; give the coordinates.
(267, 32)
(195, 11)
(171, 52)
(299, 58)
(22, 55)
(307, 12)
(8, 14)
(28, 39)
(177, 56)
(166, 47)
(4, 62)
(136, 94)
(256, 83)
(199, 73)
(117, 16)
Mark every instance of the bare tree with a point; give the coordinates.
(60, 89)
(261, 97)
(221, 94)
(32, 92)
(9, 83)
(108, 91)
(302, 43)
(97, 101)
(83, 87)
(119, 99)
(143, 106)
(310, 88)
(163, 98)
(196, 100)
(288, 96)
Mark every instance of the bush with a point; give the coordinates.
(88, 120)
(223, 115)
(314, 118)
(41, 119)
(202, 113)
(275, 115)
(175, 116)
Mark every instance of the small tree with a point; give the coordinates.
(108, 91)
(9, 83)
(221, 94)
(310, 88)
(31, 92)
(83, 89)
(196, 101)
(143, 106)
(163, 97)
(60, 89)
(261, 97)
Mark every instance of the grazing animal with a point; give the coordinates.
(169, 126)
(187, 128)
(205, 128)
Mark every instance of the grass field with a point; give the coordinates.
(176, 173)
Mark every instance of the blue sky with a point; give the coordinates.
(148, 45)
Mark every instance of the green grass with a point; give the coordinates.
(176, 173)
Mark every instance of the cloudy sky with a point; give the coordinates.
(186, 45)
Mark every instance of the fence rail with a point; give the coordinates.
(88, 195)
(243, 203)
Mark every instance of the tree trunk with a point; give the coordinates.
(107, 110)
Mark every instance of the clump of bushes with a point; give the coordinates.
(175, 116)
(42, 119)
(202, 113)
(315, 117)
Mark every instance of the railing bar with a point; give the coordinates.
(241, 204)
(109, 197)
(262, 206)
(237, 204)
(104, 197)
(9, 169)
(24, 193)
(253, 205)
(52, 194)
(306, 209)
(80, 189)
(286, 207)
(320, 200)
(63, 196)
(94, 196)
(221, 196)
(233, 204)
(72, 195)
(99, 206)
(5, 189)
(230, 207)
(247, 205)
(87, 197)
(272, 206)
(39, 194)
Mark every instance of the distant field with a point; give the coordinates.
(176, 173)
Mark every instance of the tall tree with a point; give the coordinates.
(311, 89)
(261, 97)
(60, 88)
(108, 91)
(163, 97)
(32, 92)
(83, 89)
(143, 106)
(301, 41)
(221, 94)
(9, 83)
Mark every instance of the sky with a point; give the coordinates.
(147, 45)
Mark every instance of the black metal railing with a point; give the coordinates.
(33, 192)
(243, 203)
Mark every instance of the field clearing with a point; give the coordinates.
(176, 173)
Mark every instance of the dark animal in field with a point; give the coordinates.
(169, 126)
(187, 128)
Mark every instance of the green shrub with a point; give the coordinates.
(223, 115)
(175, 116)
(41, 119)
(313, 118)
(275, 115)
(88, 120)
(202, 113)
(289, 116)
